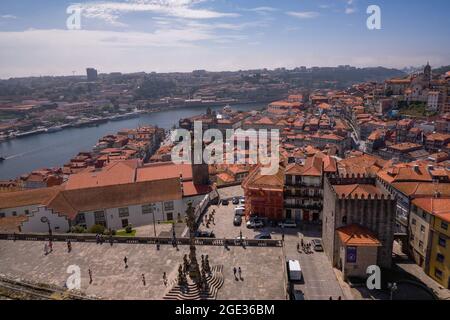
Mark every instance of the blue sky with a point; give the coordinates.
(183, 35)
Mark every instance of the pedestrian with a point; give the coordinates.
(50, 245)
(46, 248)
(165, 279)
(234, 271)
(282, 237)
(339, 298)
(69, 246)
(143, 279)
(125, 260)
(111, 241)
(240, 234)
(302, 243)
(240, 273)
(298, 246)
(90, 276)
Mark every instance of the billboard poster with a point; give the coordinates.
(351, 254)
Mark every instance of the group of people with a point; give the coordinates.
(48, 247)
(306, 247)
(209, 218)
(237, 272)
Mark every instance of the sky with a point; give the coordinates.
(217, 35)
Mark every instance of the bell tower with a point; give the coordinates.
(200, 169)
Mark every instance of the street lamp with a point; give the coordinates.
(392, 287)
(45, 220)
(154, 222)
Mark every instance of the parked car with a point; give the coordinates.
(237, 221)
(288, 224)
(255, 224)
(225, 202)
(242, 201)
(235, 200)
(205, 234)
(294, 270)
(239, 211)
(297, 293)
(263, 236)
(317, 245)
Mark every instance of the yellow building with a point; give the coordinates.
(440, 249)
(435, 241)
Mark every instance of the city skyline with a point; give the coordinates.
(184, 35)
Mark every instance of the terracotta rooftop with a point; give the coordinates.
(439, 207)
(27, 197)
(351, 190)
(357, 236)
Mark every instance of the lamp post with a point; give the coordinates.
(45, 220)
(154, 222)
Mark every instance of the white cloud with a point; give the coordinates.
(350, 10)
(8, 16)
(303, 14)
(111, 11)
(262, 9)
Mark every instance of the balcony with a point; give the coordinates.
(317, 207)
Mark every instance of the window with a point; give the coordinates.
(100, 218)
(413, 222)
(2, 214)
(440, 258)
(147, 208)
(124, 223)
(14, 213)
(444, 225)
(422, 228)
(169, 216)
(123, 212)
(344, 220)
(27, 212)
(442, 241)
(438, 273)
(168, 206)
(80, 219)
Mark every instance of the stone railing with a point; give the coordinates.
(139, 240)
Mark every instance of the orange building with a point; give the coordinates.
(264, 194)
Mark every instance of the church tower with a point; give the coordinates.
(200, 169)
(427, 74)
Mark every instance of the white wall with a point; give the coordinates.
(59, 224)
(19, 210)
(136, 218)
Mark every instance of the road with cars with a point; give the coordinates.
(319, 280)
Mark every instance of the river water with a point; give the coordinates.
(47, 150)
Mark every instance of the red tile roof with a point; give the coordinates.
(358, 236)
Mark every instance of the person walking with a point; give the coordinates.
(234, 271)
(46, 248)
(143, 279)
(69, 246)
(125, 260)
(165, 279)
(240, 273)
(50, 245)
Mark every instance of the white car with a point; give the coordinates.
(287, 224)
(239, 211)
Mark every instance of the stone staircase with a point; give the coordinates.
(192, 292)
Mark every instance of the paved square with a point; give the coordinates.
(262, 268)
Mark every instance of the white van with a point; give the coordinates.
(294, 270)
(239, 211)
